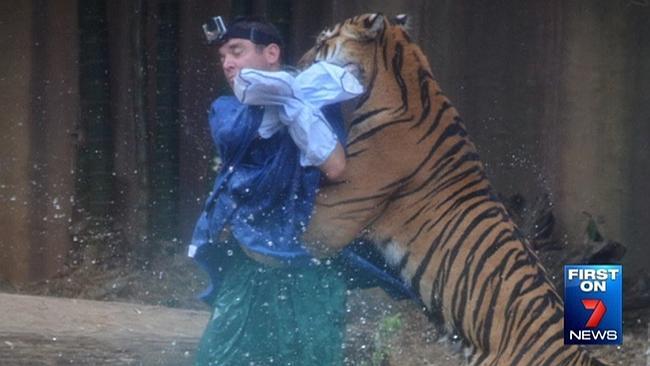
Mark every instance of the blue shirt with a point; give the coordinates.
(266, 198)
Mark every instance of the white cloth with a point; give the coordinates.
(296, 102)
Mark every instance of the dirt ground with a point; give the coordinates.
(380, 331)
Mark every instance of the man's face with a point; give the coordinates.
(239, 53)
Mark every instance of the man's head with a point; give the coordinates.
(249, 42)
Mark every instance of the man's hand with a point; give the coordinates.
(296, 102)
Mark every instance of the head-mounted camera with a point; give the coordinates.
(216, 32)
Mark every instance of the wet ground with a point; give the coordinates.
(380, 331)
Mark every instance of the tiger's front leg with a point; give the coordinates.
(332, 226)
(345, 210)
(342, 211)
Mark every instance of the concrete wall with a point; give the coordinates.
(39, 86)
(14, 145)
(553, 93)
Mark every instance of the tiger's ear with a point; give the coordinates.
(374, 23)
(400, 19)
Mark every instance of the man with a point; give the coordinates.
(272, 303)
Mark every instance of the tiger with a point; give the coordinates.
(415, 187)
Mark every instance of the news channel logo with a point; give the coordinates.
(593, 304)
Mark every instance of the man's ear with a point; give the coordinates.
(272, 54)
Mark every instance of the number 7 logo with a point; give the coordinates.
(599, 309)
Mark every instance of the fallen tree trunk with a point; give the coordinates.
(38, 330)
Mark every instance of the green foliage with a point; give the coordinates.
(592, 231)
(388, 327)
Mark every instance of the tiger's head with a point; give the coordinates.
(354, 43)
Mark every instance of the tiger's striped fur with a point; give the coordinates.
(415, 186)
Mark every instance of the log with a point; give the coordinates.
(37, 330)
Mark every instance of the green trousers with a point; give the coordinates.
(292, 315)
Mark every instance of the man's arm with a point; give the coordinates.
(313, 137)
(334, 165)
